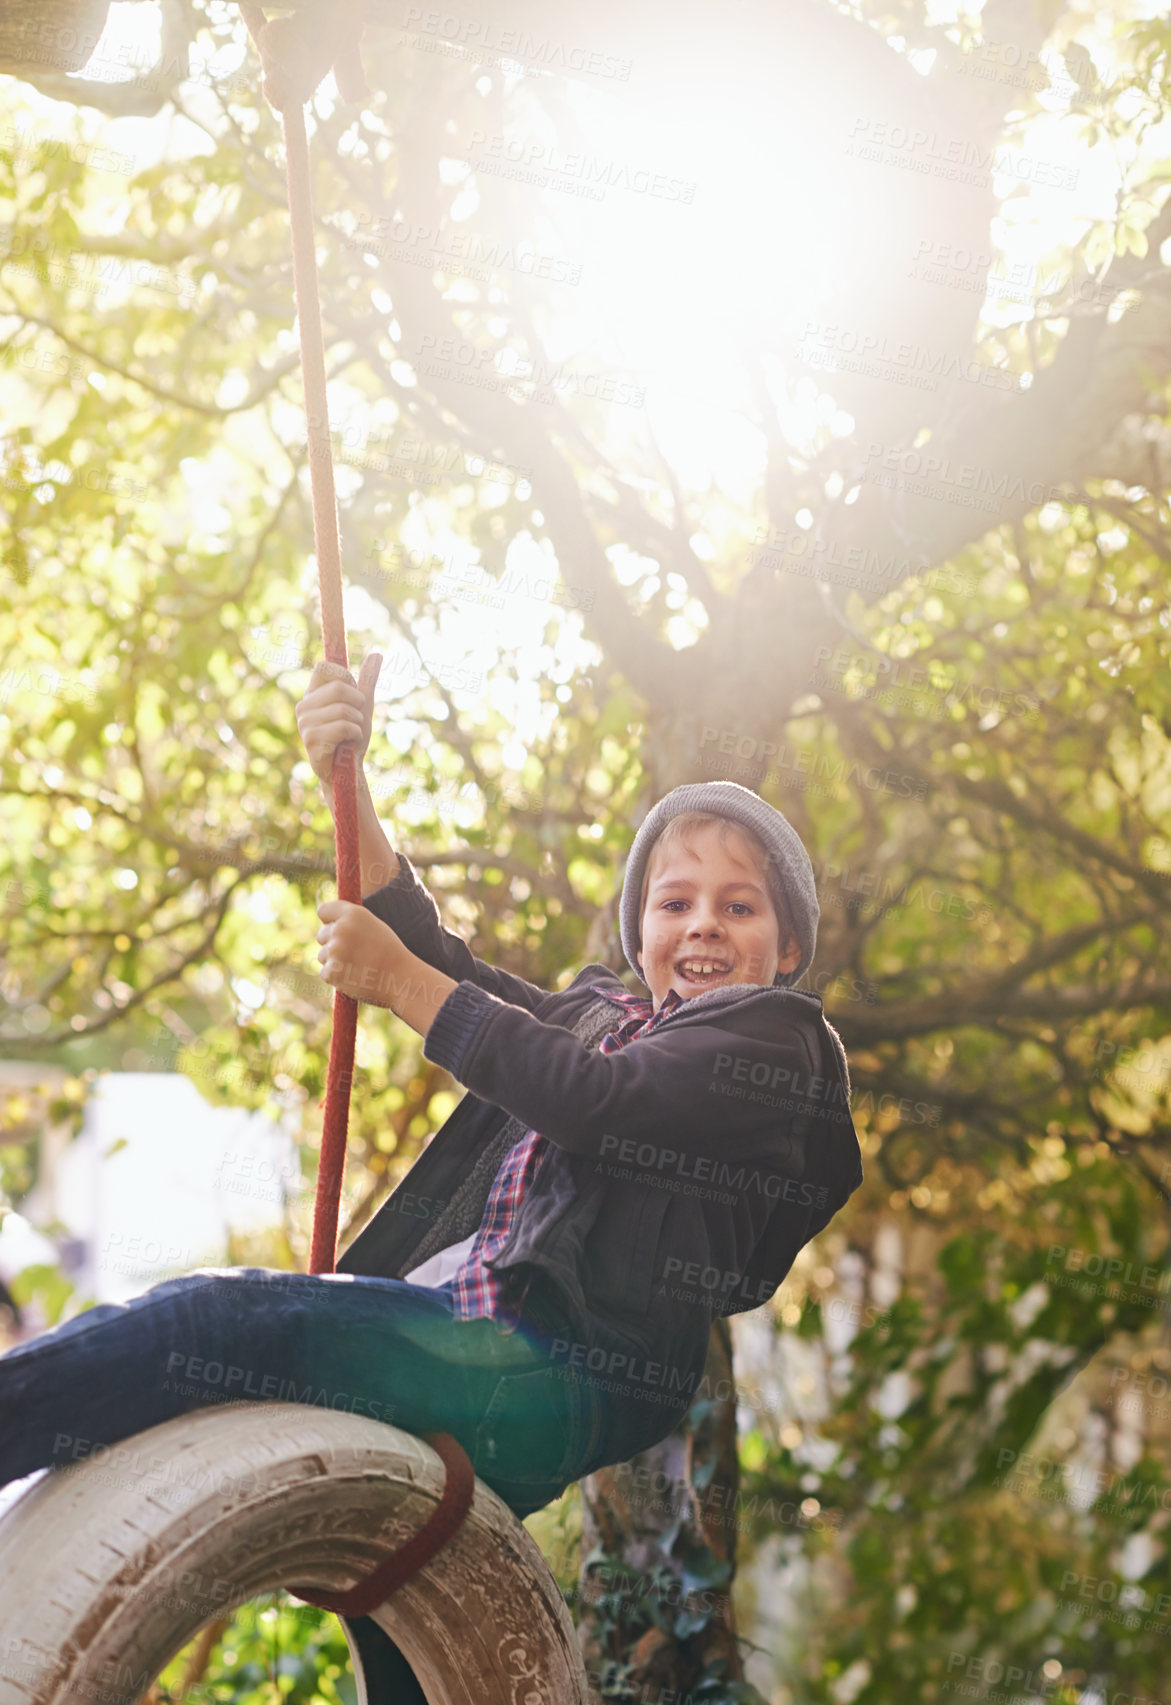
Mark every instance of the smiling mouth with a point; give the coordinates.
(699, 978)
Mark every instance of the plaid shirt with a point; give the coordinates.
(476, 1291)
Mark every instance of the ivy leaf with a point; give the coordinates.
(702, 1568)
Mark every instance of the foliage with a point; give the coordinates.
(972, 739)
(273, 1651)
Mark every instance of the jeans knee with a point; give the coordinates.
(238, 1302)
(235, 1281)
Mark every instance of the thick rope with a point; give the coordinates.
(294, 53)
(292, 71)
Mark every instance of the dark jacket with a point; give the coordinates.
(682, 1176)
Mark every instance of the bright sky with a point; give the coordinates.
(652, 304)
(680, 341)
(660, 273)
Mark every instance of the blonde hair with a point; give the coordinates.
(676, 831)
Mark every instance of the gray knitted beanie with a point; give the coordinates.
(786, 852)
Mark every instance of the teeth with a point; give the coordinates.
(700, 966)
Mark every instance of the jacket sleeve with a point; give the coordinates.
(686, 1090)
(410, 910)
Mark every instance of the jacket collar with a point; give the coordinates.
(674, 1002)
(732, 995)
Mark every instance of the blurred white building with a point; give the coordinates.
(152, 1186)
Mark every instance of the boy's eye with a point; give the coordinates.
(743, 904)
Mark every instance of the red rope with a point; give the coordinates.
(288, 63)
(293, 52)
(441, 1525)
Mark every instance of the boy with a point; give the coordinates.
(628, 1199)
(541, 1283)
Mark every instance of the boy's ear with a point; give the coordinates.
(791, 957)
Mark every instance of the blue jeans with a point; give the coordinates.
(383, 1348)
(376, 1347)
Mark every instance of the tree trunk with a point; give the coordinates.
(659, 1550)
(50, 35)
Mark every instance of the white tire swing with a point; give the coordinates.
(106, 1578)
(103, 1579)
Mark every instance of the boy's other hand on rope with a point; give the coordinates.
(359, 954)
(335, 708)
(365, 959)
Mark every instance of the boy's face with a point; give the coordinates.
(709, 904)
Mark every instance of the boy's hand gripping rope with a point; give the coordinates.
(293, 51)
